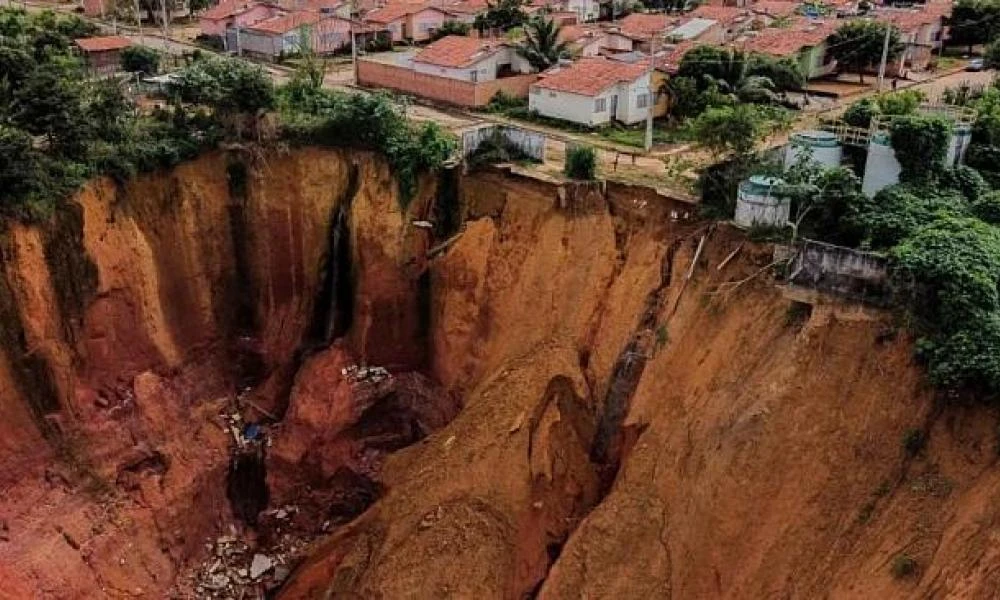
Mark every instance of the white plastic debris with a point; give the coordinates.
(261, 564)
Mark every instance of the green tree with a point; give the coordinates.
(858, 45)
(732, 130)
(501, 15)
(50, 105)
(991, 56)
(450, 28)
(140, 59)
(541, 46)
(974, 22)
(821, 200)
(987, 208)
(920, 143)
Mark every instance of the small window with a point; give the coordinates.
(473, 76)
(600, 105)
(642, 101)
(552, 94)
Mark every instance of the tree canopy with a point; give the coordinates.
(541, 46)
(974, 22)
(858, 45)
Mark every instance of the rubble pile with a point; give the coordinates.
(357, 374)
(235, 568)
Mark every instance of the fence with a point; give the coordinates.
(842, 271)
(529, 143)
(443, 89)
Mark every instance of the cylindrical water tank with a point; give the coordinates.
(757, 204)
(959, 143)
(881, 167)
(822, 147)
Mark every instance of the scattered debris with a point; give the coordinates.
(261, 564)
(356, 374)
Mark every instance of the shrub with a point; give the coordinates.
(903, 565)
(140, 59)
(914, 440)
(581, 163)
(987, 208)
(450, 28)
(920, 144)
(861, 113)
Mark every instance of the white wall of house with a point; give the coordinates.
(586, 10)
(595, 110)
(483, 70)
(618, 42)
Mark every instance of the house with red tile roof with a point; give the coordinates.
(406, 21)
(921, 30)
(804, 41)
(731, 20)
(294, 32)
(583, 40)
(235, 13)
(102, 54)
(594, 91)
(470, 59)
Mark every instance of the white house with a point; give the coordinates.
(593, 91)
(469, 59)
(586, 10)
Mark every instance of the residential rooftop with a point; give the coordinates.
(455, 51)
(103, 43)
(589, 76)
(285, 23)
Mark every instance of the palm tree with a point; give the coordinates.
(733, 76)
(541, 46)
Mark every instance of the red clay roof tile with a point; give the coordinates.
(456, 51)
(590, 76)
(103, 44)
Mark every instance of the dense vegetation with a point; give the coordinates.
(858, 45)
(59, 126)
(710, 76)
(938, 226)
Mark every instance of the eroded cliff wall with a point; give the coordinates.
(134, 315)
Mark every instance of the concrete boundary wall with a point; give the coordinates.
(373, 73)
(530, 143)
(842, 271)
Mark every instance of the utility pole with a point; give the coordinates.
(354, 41)
(138, 21)
(650, 97)
(166, 19)
(885, 57)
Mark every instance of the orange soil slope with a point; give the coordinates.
(125, 321)
(762, 455)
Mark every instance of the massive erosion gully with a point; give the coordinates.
(261, 376)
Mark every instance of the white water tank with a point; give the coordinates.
(823, 147)
(757, 204)
(881, 167)
(958, 144)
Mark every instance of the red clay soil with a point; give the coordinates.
(758, 453)
(762, 455)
